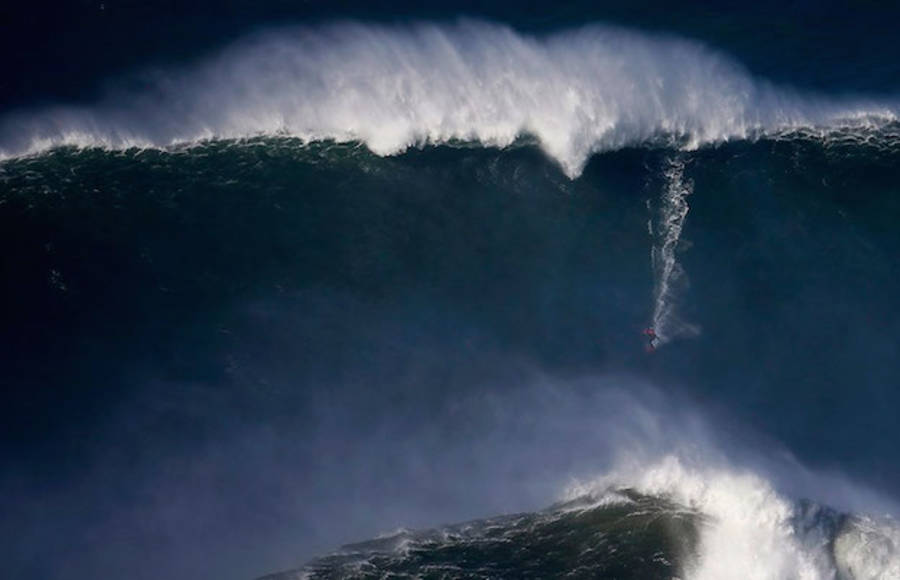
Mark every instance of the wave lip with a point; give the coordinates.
(748, 530)
(578, 92)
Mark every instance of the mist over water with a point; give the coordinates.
(343, 280)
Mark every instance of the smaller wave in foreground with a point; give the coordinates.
(666, 521)
(578, 92)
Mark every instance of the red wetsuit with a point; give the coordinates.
(652, 339)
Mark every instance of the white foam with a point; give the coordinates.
(749, 530)
(578, 92)
(869, 549)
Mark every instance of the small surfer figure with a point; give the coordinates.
(652, 339)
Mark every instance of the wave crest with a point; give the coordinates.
(748, 529)
(578, 92)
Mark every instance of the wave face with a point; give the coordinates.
(623, 535)
(223, 355)
(310, 323)
(578, 92)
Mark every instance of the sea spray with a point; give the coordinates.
(578, 92)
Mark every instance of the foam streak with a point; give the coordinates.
(669, 276)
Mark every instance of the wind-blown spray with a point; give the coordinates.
(577, 92)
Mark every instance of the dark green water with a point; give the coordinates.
(638, 538)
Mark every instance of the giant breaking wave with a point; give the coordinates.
(576, 92)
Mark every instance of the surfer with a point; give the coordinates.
(652, 339)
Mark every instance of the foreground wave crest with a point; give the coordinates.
(667, 520)
(577, 92)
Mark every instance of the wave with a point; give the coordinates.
(667, 519)
(750, 530)
(392, 87)
(677, 500)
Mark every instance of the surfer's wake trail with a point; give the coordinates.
(669, 279)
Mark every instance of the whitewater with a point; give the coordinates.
(748, 530)
(718, 513)
(576, 92)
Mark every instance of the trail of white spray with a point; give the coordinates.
(670, 279)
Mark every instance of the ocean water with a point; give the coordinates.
(315, 276)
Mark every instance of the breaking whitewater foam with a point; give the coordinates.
(577, 92)
(663, 520)
(749, 531)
